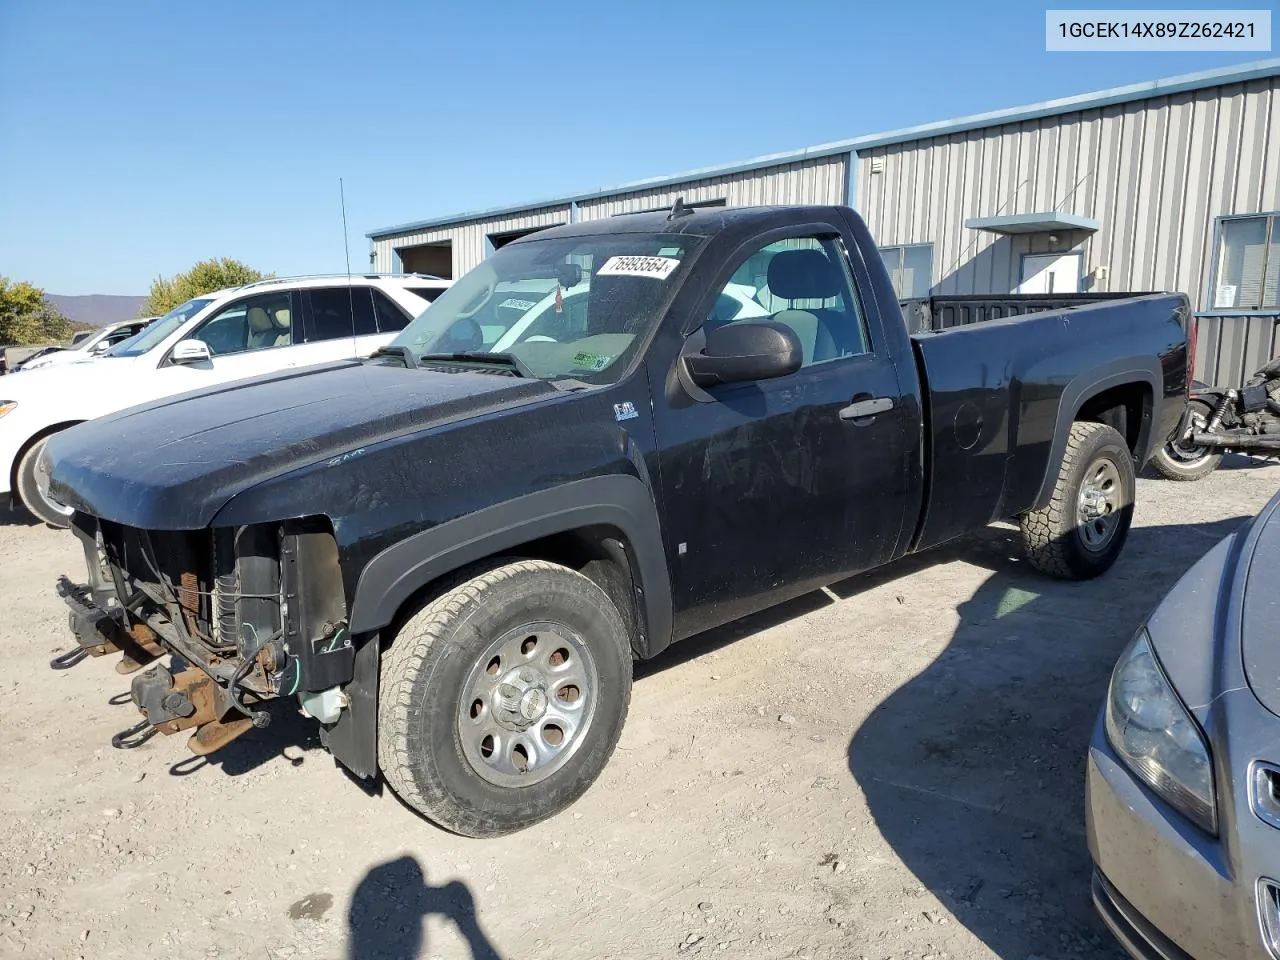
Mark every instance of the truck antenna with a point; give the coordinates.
(679, 209)
(346, 249)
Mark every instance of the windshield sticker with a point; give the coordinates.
(515, 304)
(591, 361)
(658, 267)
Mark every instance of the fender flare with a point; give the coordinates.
(1084, 388)
(620, 501)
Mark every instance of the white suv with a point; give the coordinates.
(259, 328)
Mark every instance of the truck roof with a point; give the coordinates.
(698, 221)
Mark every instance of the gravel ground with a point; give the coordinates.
(889, 769)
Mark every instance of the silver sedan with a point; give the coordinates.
(1183, 782)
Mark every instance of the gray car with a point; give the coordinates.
(1183, 782)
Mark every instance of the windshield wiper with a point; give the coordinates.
(507, 360)
(404, 353)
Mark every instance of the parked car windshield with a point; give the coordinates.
(157, 331)
(574, 307)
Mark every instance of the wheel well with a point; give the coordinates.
(1127, 408)
(22, 452)
(600, 553)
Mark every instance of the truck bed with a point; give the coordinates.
(997, 395)
(925, 314)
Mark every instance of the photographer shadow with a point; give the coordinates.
(386, 917)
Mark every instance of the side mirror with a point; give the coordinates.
(191, 351)
(99, 348)
(737, 352)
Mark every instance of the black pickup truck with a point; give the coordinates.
(606, 438)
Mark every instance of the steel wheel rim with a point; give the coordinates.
(1100, 503)
(527, 704)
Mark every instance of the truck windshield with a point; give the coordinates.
(573, 307)
(157, 331)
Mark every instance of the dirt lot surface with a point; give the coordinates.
(891, 769)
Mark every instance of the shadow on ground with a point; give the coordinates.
(385, 918)
(971, 548)
(974, 769)
(9, 517)
(290, 735)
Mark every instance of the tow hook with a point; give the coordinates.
(135, 736)
(68, 658)
(171, 703)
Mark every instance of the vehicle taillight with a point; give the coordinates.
(1192, 327)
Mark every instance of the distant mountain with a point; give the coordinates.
(97, 309)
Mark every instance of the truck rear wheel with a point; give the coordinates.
(503, 698)
(1081, 532)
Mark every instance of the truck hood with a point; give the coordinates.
(174, 463)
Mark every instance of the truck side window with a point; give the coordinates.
(802, 282)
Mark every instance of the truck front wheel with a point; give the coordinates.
(1082, 530)
(502, 699)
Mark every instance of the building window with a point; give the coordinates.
(911, 268)
(1247, 264)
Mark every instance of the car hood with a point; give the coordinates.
(174, 463)
(1261, 611)
(71, 374)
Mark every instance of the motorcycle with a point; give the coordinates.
(1221, 420)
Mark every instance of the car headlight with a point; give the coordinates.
(1157, 738)
(8, 406)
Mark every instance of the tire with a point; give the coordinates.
(29, 494)
(464, 669)
(1174, 461)
(1081, 532)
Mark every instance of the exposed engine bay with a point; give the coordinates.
(249, 614)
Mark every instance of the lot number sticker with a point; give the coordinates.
(658, 267)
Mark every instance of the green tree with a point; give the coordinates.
(205, 277)
(28, 317)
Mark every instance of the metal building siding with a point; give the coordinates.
(814, 181)
(820, 180)
(1229, 349)
(1156, 173)
(468, 238)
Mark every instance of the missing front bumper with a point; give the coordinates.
(168, 702)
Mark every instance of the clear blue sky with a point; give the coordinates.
(139, 137)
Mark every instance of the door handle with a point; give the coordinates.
(866, 408)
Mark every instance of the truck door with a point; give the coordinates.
(775, 487)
